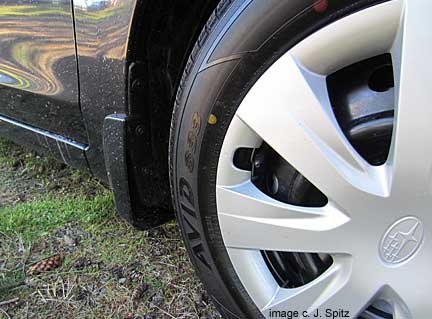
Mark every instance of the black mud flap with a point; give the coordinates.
(132, 175)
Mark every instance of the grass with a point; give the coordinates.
(38, 218)
(108, 270)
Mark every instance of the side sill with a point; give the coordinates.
(60, 147)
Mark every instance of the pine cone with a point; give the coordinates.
(138, 293)
(45, 265)
(129, 315)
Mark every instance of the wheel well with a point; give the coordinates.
(162, 36)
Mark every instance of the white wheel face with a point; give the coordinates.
(376, 224)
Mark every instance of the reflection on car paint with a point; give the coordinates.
(38, 68)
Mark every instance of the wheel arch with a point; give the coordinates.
(161, 37)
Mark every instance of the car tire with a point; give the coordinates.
(241, 40)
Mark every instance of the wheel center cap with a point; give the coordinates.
(401, 240)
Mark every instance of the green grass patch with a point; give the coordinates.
(38, 218)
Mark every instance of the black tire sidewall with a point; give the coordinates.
(215, 81)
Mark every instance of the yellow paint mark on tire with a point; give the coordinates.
(212, 119)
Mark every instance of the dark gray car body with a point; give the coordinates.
(68, 68)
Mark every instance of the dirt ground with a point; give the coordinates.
(65, 254)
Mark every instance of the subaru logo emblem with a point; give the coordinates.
(401, 240)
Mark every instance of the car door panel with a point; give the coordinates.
(102, 35)
(38, 68)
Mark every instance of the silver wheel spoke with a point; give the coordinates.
(338, 288)
(378, 25)
(245, 212)
(377, 252)
(289, 109)
(411, 154)
(410, 285)
(238, 135)
(412, 301)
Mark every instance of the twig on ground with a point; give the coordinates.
(6, 302)
(165, 312)
(5, 313)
